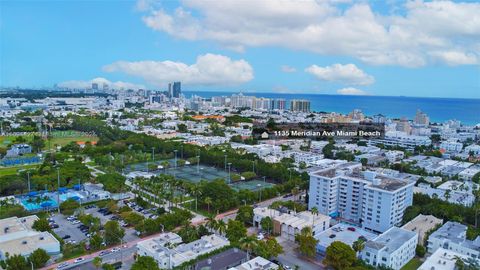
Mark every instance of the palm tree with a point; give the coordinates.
(196, 191)
(315, 213)
(358, 245)
(248, 243)
(208, 201)
(221, 227)
(212, 223)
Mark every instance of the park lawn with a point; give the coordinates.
(65, 140)
(412, 264)
(13, 170)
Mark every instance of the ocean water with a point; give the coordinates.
(438, 109)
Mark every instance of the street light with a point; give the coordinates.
(225, 162)
(229, 172)
(58, 189)
(153, 154)
(198, 164)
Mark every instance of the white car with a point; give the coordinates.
(260, 236)
(62, 265)
(77, 260)
(115, 249)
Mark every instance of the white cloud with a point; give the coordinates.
(288, 69)
(346, 74)
(118, 85)
(350, 91)
(404, 38)
(209, 69)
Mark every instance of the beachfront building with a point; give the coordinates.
(393, 248)
(169, 253)
(376, 202)
(18, 237)
(403, 139)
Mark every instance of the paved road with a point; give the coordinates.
(125, 256)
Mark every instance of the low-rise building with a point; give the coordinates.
(453, 236)
(442, 259)
(223, 261)
(257, 263)
(422, 224)
(393, 248)
(169, 253)
(18, 237)
(287, 225)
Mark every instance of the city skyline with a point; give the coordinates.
(385, 49)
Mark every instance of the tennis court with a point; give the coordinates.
(194, 173)
(253, 185)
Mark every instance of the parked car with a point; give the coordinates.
(66, 236)
(62, 265)
(77, 260)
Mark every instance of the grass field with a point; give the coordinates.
(13, 170)
(412, 265)
(58, 138)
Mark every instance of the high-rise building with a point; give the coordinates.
(176, 89)
(280, 104)
(421, 118)
(94, 86)
(300, 105)
(376, 202)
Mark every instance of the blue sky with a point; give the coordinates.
(294, 48)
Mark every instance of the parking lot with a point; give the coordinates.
(68, 228)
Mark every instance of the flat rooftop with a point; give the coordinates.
(391, 240)
(343, 234)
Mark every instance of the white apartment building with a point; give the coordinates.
(442, 259)
(453, 236)
(402, 139)
(452, 146)
(18, 237)
(287, 225)
(394, 155)
(393, 248)
(169, 253)
(422, 224)
(377, 202)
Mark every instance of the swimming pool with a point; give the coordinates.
(33, 206)
(70, 194)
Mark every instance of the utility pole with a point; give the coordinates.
(28, 179)
(58, 189)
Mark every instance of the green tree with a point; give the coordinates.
(339, 256)
(420, 251)
(267, 224)
(41, 225)
(235, 231)
(113, 232)
(248, 243)
(96, 241)
(97, 262)
(307, 244)
(112, 182)
(69, 206)
(358, 245)
(268, 249)
(16, 262)
(39, 258)
(37, 143)
(107, 266)
(145, 262)
(245, 214)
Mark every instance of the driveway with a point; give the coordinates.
(291, 257)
